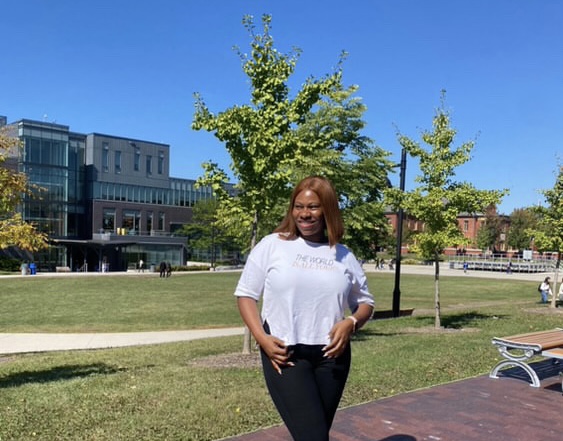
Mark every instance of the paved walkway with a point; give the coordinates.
(41, 342)
(446, 271)
(475, 409)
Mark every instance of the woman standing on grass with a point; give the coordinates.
(307, 280)
(545, 290)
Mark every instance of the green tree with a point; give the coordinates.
(261, 138)
(521, 221)
(204, 232)
(355, 165)
(439, 199)
(489, 233)
(551, 225)
(13, 188)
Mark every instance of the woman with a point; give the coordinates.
(306, 278)
(545, 290)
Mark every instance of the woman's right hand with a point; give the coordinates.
(276, 351)
(274, 348)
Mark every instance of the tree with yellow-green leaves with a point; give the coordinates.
(280, 137)
(261, 137)
(439, 199)
(548, 234)
(14, 231)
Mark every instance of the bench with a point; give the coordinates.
(62, 269)
(556, 354)
(517, 350)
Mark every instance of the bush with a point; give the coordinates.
(191, 268)
(9, 264)
(410, 261)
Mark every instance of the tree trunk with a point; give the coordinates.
(437, 319)
(247, 342)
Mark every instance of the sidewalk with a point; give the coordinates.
(446, 271)
(474, 409)
(39, 342)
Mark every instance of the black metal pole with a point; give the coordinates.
(400, 214)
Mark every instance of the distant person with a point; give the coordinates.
(560, 293)
(162, 268)
(141, 266)
(545, 290)
(465, 267)
(509, 268)
(168, 269)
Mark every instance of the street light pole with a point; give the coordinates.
(400, 214)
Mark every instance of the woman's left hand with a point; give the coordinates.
(339, 338)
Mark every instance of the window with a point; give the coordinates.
(160, 162)
(105, 157)
(131, 222)
(149, 165)
(110, 192)
(465, 225)
(149, 221)
(161, 221)
(137, 164)
(118, 161)
(109, 220)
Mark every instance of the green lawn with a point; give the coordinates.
(156, 393)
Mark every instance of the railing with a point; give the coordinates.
(108, 235)
(502, 263)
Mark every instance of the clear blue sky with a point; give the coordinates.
(130, 68)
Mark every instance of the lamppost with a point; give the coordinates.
(400, 214)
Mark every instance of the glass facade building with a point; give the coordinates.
(105, 201)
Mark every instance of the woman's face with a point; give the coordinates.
(308, 215)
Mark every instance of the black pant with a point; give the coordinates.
(307, 394)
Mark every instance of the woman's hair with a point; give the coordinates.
(546, 280)
(329, 204)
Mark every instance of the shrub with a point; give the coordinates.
(9, 264)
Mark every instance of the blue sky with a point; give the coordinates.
(130, 68)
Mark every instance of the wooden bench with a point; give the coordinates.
(517, 350)
(556, 354)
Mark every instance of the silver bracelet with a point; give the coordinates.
(355, 320)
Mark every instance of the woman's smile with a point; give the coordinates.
(308, 216)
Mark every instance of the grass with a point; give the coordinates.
(118, 303)
(156, 393)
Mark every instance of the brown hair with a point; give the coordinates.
(329, 203)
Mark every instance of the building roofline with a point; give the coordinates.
(128, 139)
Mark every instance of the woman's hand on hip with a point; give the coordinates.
(276, 351)
(339, 338)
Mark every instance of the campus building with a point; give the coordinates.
(106, 202)
(469, 224)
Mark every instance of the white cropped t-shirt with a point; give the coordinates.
(305, 287)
